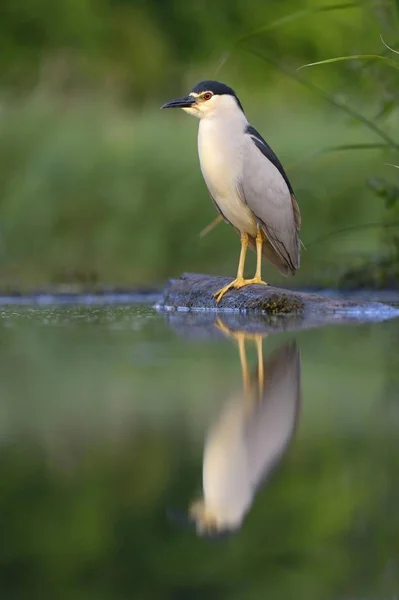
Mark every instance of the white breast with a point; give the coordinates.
(220, 154)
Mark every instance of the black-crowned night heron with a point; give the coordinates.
(248, 438)
(245, 179)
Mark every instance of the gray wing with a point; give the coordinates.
(266, 189)
(272, 424)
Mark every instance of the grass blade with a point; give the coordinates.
(363, 146)
(389, 61)
(388, 47)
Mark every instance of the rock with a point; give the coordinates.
(194, 292)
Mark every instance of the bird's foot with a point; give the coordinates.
(238, 334)
(255, 280)
(238, 283)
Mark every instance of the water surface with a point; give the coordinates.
(104, 415)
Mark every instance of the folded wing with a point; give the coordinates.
(266, 189)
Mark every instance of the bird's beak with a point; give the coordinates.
(184, 102)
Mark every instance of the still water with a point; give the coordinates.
(146, 456)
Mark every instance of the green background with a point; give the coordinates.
(98, 187)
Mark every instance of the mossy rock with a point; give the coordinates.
(194, 292)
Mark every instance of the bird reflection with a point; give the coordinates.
(249, 436)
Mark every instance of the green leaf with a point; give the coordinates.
(387, 107)
(386, 190)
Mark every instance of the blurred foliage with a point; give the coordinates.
(147, 46)
(98, 188)
(383, 272)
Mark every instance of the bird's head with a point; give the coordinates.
(208, 99)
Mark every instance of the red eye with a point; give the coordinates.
(207, 96)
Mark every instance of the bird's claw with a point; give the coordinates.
(237, 284)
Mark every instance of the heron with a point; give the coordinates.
(249, 436)
(246, 181)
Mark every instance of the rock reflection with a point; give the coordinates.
(249, 437)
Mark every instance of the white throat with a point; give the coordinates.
(218, 107)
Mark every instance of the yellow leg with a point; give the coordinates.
(239, 281)
(259, 244)
(239, 337)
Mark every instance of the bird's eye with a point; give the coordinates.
(207, 96)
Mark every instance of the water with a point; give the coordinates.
(104, 415)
